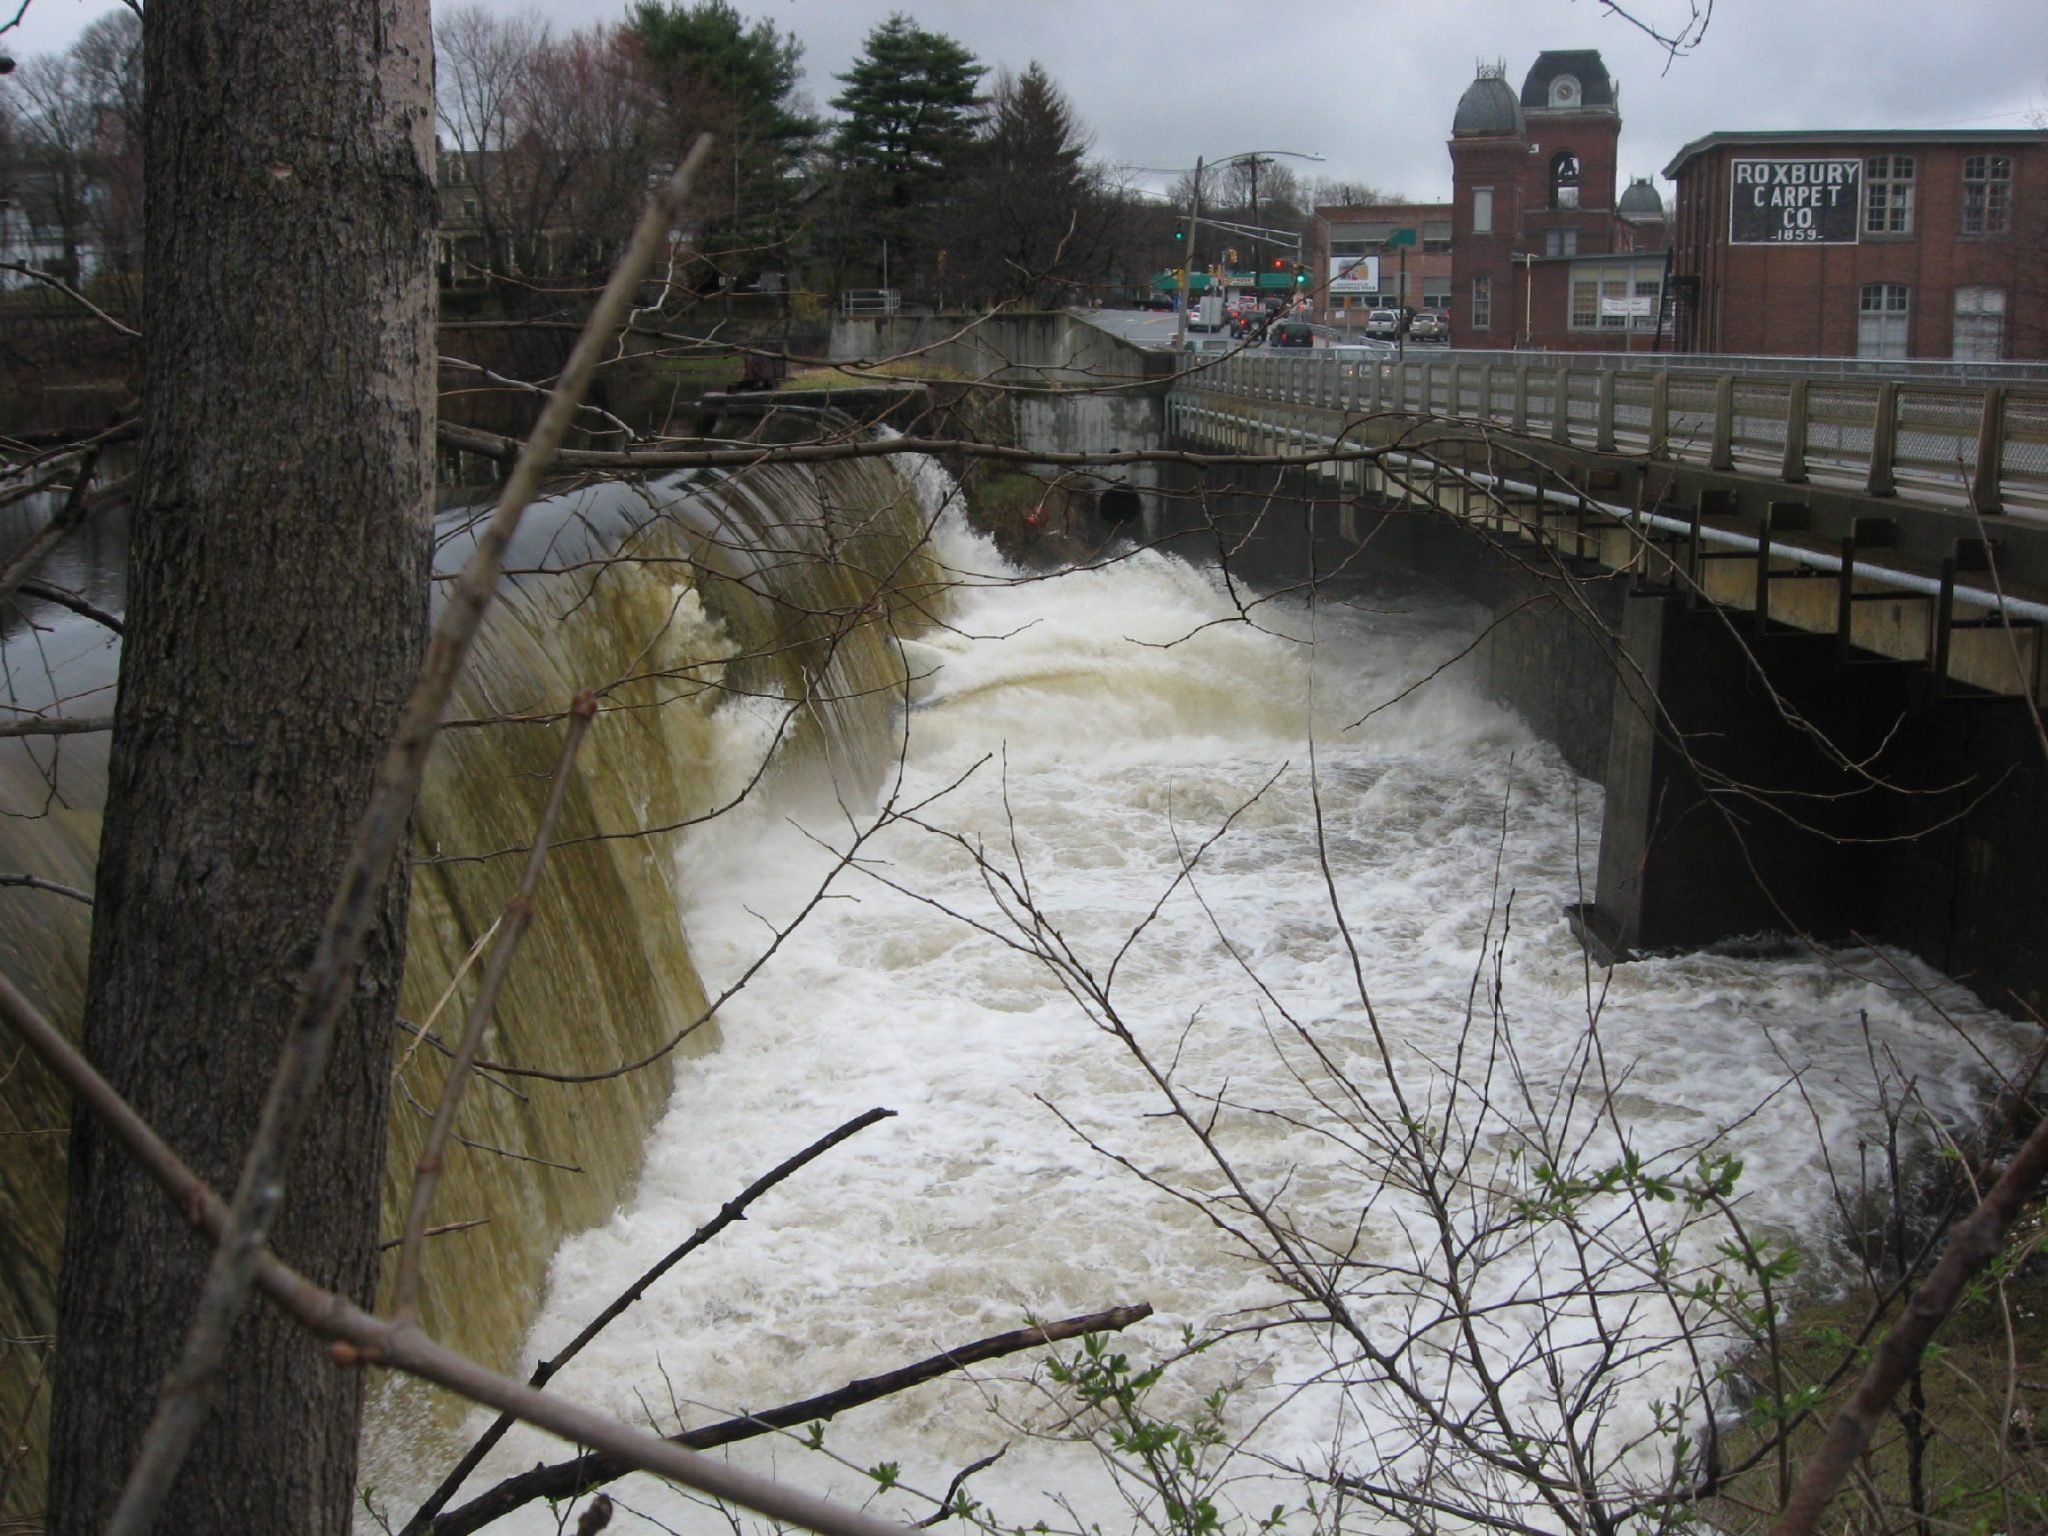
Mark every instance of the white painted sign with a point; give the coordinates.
(1354, 274)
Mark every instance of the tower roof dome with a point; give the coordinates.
(1640, 201)
(1569, 80)
(1488, 105)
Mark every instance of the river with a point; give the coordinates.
(1133, 819)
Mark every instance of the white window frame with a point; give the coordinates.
(1482, 210)
(1979, 331)
(1888, 195)
(1482, 302)
(1884, 320)
(1987, 194)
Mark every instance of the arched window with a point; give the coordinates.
(1564, 180)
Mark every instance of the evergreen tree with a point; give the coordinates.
(1032, 222)
(912, 110)
(737, 82)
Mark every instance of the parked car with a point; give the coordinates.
(1290, 333)
(1430, 325)
(1383, 324)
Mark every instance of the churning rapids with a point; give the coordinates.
(1090, 735)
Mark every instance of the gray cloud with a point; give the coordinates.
(1371, 84)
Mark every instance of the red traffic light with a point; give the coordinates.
(1279, 265)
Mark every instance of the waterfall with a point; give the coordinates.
(744, 634)
(1086, 734)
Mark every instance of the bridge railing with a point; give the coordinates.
(1986, 441)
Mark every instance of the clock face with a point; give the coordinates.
(1564, 91)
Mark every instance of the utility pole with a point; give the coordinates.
(1180, 328)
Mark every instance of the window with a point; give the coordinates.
(1347, 247)
(1614, 296)
(1980, 324)
(1436, 235)
(1617, 296)
(1882, 313)
(1564, 180)
(1585, 302)
(1482, 210)
(1888, 195)
(1482, 303)
(1561, 242)
(1987, 194)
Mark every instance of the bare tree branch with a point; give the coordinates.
(733, 1210)
(567, 1478)
(361, 1338)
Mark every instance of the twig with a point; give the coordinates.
(37, 883)
(64, 598)
(57, 725)
(568, 1478)
(953, 1488)
(330, 977)
(77, 507)
(518, 915)
(733, 1210)
(58, 283)
(361, 1338)
(441, 1231)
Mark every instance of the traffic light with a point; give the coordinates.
(1180, 236)
(1279, 264)
(1300, 275)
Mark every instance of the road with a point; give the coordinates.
(1155, 328)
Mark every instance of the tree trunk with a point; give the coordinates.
(275, 620)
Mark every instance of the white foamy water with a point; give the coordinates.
(1088, 734)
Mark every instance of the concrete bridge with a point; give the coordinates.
(1792, 621)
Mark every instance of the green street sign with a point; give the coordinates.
(1400, 237)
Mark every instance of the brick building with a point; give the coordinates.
(1543, 252)
(1353, 262)
(1914, 244)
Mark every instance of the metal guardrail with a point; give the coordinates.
(870, 301)
(1984, 445)
(1957, 611)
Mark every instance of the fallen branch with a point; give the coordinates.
(362, 1338)
(566, 1479)
(733, 1210)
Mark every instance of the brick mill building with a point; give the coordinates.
(1913, 244)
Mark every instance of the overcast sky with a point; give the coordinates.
(1371, 84)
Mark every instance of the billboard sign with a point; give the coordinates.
(1794, 202)
(1354, 274)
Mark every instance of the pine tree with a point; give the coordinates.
(1031, 224)
(912, 110)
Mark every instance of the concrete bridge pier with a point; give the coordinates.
(1770, 782)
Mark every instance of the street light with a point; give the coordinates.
(1180, 330)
